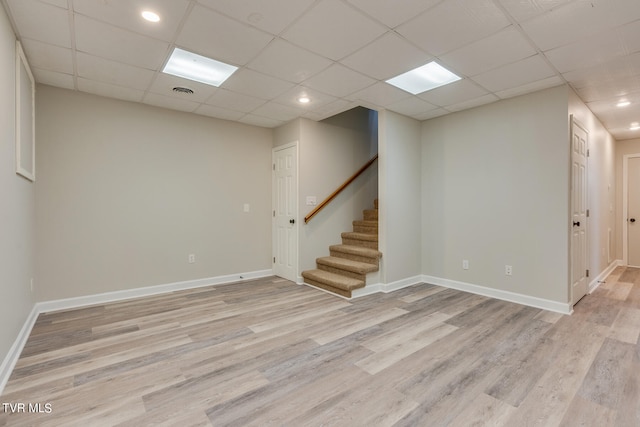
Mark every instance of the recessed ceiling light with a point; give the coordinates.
(150, 16)
(198, 68)
(424, 78)
(304, 100)
(623, 104)
(634, 126)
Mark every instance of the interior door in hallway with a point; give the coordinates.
(633, 211)
(579, 241)
(285, 211)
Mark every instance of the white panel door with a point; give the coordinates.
(285, 212)
(633, 211)
(579, 147)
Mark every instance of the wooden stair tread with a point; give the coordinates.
(356, 250)
(347, 264)
(334, 280)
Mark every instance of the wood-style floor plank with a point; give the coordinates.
(272, 353)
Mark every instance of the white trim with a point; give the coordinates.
(545, 304)
(10, 360)
(600, 279)
(625, 205)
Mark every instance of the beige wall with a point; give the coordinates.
(495, 191)
(629, 146)
(17, 250)
(400, 195)
(126, 191)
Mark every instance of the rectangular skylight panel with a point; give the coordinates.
(424, 78)
(198, 68)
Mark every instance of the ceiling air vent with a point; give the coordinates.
(183, 90)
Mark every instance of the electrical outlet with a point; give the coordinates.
(465, 264)
(508, 270)
(192, 258)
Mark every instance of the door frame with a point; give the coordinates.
(573, 123)
(625, 205)
(274, 240)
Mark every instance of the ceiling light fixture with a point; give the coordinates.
(150, 16)
(304, 100)
(198, 68)
(424, 78)
(623, 104)
(634, 126)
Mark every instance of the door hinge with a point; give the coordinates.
(274, 166)
(274, 260)
(587, 213)
(274, 214)
(587, 273)
(588, 153)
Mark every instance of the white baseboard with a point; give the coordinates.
(598, 280)
(10, 360)
(545, 304)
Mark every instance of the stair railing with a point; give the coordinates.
(344, 185)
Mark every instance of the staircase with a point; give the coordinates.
(347, 266)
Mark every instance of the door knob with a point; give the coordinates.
(576, 223)
(632, 220)
(292, 221)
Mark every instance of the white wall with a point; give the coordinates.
(495, 191)
(602, 187)
(126, 191)
(400, 197)
(17, 250)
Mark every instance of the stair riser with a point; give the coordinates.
(365, 229)
(361, 243)
(368, 260)
(329, 288)
(370, 214)
(342, 272)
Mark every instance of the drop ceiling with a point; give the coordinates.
(339, 53)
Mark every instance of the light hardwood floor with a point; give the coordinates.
(272, 353)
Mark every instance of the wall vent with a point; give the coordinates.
(183, 90)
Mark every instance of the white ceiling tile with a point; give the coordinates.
(399, 56)
(60, 3)
(333, 29)
(218, 112)
(223, 98)
(516, 74)
(286, 61)
(255, 84)
(453, 93)
(127, 14)
(211, 34)
(107, 41)
(317, 99)
(170, 102)
(501, 48)
(379, 95)
(412, 107)
(272, 16)
(48, 57)
(329, 109)
(106, 71)
(579, 19)
(396, 12)
(53, 78)
(339, 81)
(275, 111)
(453, 24)
(587, 52)
(265, 122)
(476, 102)
(40, 21)
(607, 90)
(630, 36)
(164, 84)
(109, 90)
(530, 87)
(610, 71)
(522, 10)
